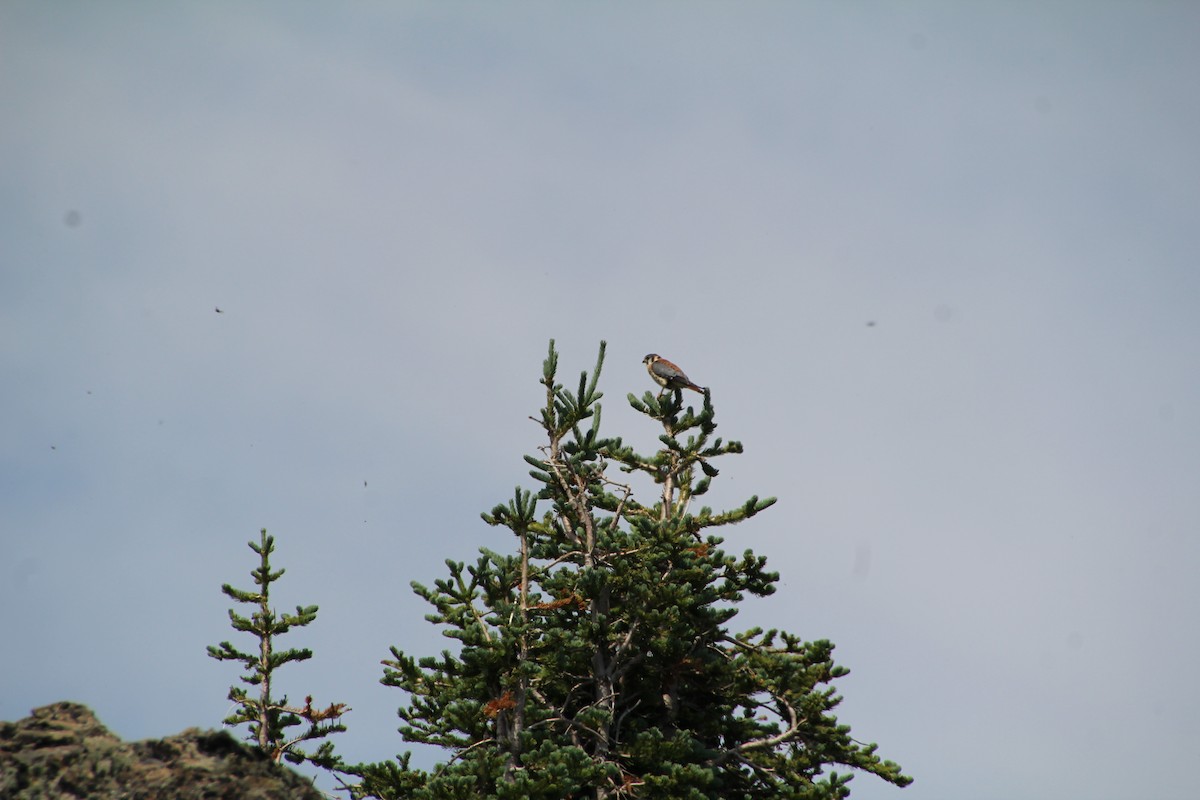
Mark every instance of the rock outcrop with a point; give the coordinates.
(63, 752)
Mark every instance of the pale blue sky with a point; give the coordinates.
(988, 498)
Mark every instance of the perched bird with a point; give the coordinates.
(669, 376)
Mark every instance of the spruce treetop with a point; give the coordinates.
(592, 654)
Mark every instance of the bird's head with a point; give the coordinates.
(650, 358)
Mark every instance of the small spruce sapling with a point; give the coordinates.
(269, 717)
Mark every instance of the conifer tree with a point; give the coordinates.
(268, 716)
(593, 657)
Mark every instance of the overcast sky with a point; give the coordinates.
(937, 261)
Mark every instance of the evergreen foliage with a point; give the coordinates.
(593, 659)
(268, 717)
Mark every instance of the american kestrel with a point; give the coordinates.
(667, 375)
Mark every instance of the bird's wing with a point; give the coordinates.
(667, 371)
